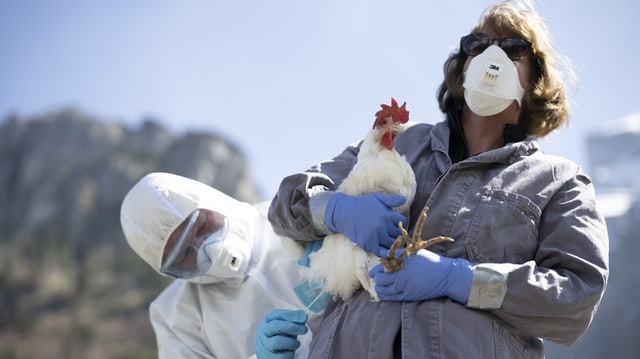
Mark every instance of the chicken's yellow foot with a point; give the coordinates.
(410, 244)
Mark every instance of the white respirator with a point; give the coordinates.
(222, 256)
(491, 82)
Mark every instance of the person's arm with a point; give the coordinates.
(291, 214)
(308, 208)
(555, 295)
(176, 326)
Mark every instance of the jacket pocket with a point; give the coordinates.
(509, 346)
(504, 228)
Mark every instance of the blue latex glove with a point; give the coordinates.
(425, 275)
(276, 336)
(308, 250)
(368, 220)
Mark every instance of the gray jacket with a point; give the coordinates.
(527, 221)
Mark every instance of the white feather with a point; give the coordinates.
(340, 263)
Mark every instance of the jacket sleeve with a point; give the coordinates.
(291, 213)
(555, 295)
(176, 322)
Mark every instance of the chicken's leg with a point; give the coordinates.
(412, 244)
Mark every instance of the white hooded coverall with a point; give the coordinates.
(194, 319)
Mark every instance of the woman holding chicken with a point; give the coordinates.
(529, 260)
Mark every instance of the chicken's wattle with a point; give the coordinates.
(388, 139)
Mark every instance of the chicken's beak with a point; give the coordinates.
(393, 128)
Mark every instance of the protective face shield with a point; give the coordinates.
(161, 202)
(491, 82)
(205, 250)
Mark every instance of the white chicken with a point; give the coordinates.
(340, 263)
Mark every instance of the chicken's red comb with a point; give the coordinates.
(398, 114)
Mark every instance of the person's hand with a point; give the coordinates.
(276, 336)
(425, 275)
(369, 220)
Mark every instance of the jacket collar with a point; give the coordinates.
(458, 148)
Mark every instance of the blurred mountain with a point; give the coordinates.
(614, 160)
(70, 286)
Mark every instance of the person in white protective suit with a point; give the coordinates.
(232, 271)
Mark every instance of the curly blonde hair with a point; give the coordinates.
(546, 107)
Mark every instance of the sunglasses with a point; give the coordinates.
(515, 47)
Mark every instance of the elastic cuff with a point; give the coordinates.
(489, 286)
(318, 199)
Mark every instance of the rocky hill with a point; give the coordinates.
(70, 287)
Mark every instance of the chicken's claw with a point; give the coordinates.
(410, 244)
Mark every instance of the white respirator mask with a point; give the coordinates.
(222, 256)
(491, 82)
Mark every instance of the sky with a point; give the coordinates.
(290, 82)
